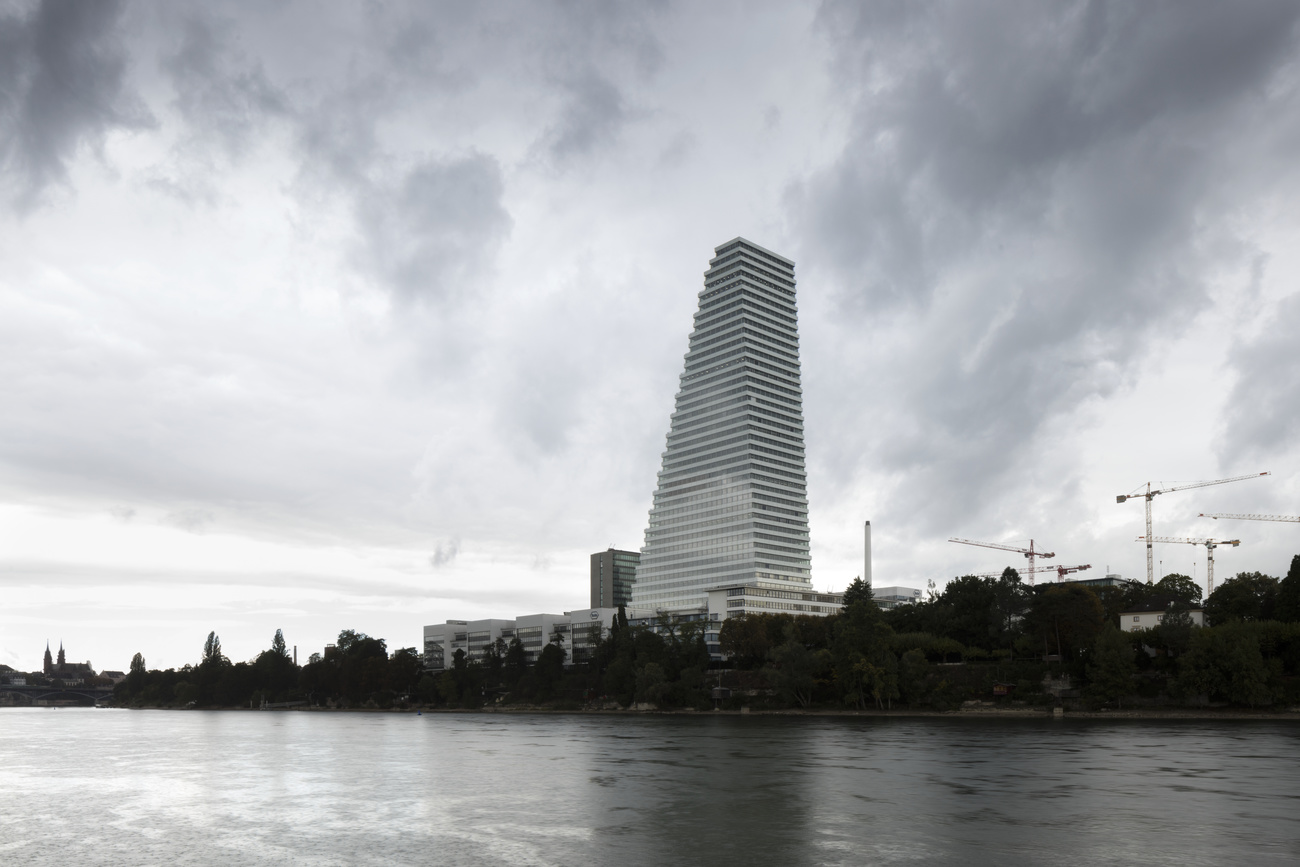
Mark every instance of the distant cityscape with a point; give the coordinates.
(720, 596)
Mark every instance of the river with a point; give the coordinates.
(117, 787)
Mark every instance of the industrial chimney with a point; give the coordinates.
(866, 553)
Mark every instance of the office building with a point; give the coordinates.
(612, 575)
(575, 631)
(731, 508)
(892, 597)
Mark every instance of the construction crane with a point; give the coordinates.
(1150, 494)
(1061, 571)
(1292, 518)
(1029, 552)
(1210, 545)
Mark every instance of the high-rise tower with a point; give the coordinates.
(732, 502)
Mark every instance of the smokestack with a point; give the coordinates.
(866, 553)
(295, 654)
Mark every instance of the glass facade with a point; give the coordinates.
(732, 502)
(612, 574)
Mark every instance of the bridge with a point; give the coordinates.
(93, 695)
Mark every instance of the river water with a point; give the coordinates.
(86, 786)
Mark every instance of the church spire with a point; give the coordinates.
(49, 660)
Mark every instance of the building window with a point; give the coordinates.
(1137, 618)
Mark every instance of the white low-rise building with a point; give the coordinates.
(578, 632)
(442, 640)
(1152, 614)
(892, 597)
(757, 597)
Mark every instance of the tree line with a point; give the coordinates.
(358, 672)
(979, 639)
(986, 638)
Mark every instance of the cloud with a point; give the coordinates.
(223, 96)
(190, 520)
(592, 117)
(433, 231)
(1262, 416)
(445, 553)
(1024, 199)
(62, 86)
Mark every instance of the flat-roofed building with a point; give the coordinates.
(892, 597)
(758, 598)
(613, 573)
(587, 625)
(578, 632)
(442, 640)
(535, 631)
(1151, 614)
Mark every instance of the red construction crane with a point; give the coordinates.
(1029, 552)
(1149, 495)
(1210, 545)
(1061, 571)
(1292, 518)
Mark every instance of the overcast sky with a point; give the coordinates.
(323, 316)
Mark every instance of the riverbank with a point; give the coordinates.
(1202, 714)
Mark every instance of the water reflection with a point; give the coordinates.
(119, 787)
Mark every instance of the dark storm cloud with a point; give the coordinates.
(592, 117)
(222, 95)
(1262, 416)
(62, 86)
(1033, 192)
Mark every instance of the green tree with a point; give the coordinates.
(858, 591)
(404, 670)
(1287, 606)
(1010, 601)
(651, 682)
(1111, 670)
(349, 637)
(516, 662)
(1124, 596)
(1180, 587)
(137, 664)
(1174, 632)
(1225, 664)
(866, 669)
(1065, 618)
(212, 654)
(968, 611)
(794, 668)
(914, 677)
(275, 672)
(1248, 596)
(549, 670)
(746, 639)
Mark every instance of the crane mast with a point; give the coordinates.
(1210, 545)
(1029, 552)
(1148, 495)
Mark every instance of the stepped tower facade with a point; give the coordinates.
(731, 505)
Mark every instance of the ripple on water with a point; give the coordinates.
(152, 787)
